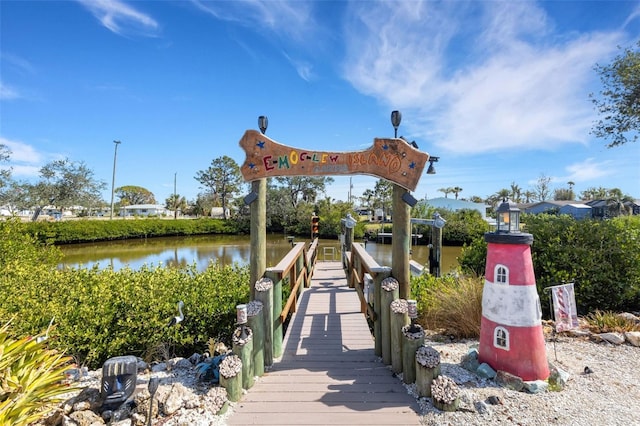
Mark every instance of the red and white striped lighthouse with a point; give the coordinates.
(511, 336)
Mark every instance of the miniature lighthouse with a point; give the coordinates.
(511, 337)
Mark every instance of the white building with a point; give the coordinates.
(145, 210)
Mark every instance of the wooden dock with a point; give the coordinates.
(329, 373)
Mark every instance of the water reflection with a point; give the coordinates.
(224, 249)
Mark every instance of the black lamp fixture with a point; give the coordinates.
(409, 199)
(263, 123)
(508, 217)
(432, 170)
(396, 118)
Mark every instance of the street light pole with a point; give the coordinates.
(113, 179)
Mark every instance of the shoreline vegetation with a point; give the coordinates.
(98, 314)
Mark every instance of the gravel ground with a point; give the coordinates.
(610, 395)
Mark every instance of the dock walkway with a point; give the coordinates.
(328, 373)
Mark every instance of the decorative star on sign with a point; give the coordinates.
(385, 147)
(251, 165)
(261, 144)
(412, 165)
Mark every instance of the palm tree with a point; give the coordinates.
(456, 190)
(515, 193)
(446, 191)
(529, 196)
(616, 203)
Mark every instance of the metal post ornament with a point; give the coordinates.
(241, 319)
(412, 310)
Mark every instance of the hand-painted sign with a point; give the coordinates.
(391, 159)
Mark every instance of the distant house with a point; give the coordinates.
(145, 210)
(634, 206)
(573, 208)
(577, 210)
(219, 213)
(599, 208)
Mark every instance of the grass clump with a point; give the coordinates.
(609, 322)
(452, 304)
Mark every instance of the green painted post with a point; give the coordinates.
(277, 310)
(389, 294)
(255, 320)
(383, 273)
(399, 318)
(264, 294)
(410, 344)
(243, 348)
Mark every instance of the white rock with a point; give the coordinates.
(633, 337)
(613, 338)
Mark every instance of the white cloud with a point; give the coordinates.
(481, 76)
(24, 160)
(588, 170)
(121, 18)
(8, 93)
(291, 20)
(303, 68)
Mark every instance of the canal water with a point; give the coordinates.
(224, 249)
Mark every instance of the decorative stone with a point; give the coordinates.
(509, 381)
(470, 360)
(536, 386)
(481, 407)
(427, 356)
(613, 338)
(218, 399)
(633, 337)
(485, 371)
(399, 306)
(445, 394)
(86, 418)
(628, 316)
(389, 284)
(558, 379)
(179, 363)
(254, 307)
(263, 284)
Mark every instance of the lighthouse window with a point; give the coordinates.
(501, 338)
(502, 274)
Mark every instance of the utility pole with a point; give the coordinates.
(175, 196)
(113, 179)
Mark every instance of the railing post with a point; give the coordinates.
(277, 311)
(383, 273)
(389, 294)
(255, 321)
(264, 294)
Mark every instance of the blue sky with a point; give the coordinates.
(498, 90)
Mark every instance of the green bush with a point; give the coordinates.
(105, 313)
(602, 258)
(78, 231)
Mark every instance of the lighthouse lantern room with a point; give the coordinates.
(511, 336)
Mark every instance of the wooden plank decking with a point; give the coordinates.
(328, 373)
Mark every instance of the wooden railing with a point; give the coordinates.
(295, 270)
(358, 263)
